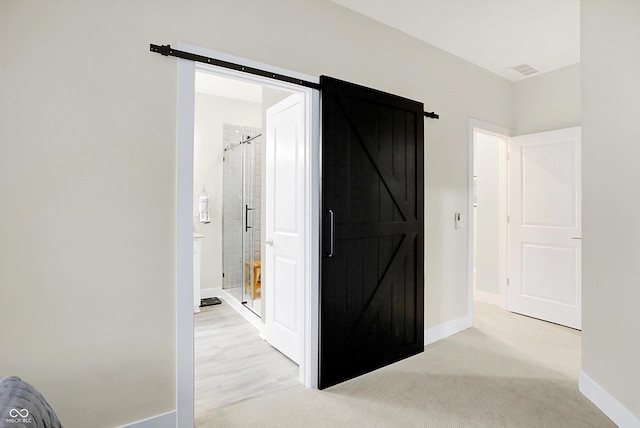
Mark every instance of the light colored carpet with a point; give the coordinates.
(507, 371)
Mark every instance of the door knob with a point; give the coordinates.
(269, 242)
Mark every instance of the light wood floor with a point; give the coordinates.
(232, 362)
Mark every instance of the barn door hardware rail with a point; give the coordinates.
(167, 50)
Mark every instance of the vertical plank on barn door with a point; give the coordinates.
(371, 287)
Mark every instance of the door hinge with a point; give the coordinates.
(507, 282)
(508, 157)
(508, 219)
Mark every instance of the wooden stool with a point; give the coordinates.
(252, 276)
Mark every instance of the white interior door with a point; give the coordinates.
(283, 274)
(545, 228)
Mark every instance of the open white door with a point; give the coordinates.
(283, 273)
(545, 227)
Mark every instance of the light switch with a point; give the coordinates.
(458, 221)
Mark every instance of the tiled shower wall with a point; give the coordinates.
(234, 206)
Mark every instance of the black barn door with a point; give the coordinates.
(371, 286)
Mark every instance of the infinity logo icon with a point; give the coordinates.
(14, 413)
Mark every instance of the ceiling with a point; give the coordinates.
(207, 83)
(496, 35)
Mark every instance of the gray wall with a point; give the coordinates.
(88, 181)
(610, 33)
(547, 102)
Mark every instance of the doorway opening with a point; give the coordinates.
(229, 186)
(232, 200)
(489, 214)
(193, 185)
(525, 234)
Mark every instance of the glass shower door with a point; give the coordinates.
(232, 234)
(241, 218)
(249, 262)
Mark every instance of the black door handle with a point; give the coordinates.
(246, 218)
(332, 233)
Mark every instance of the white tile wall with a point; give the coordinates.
(234, 234)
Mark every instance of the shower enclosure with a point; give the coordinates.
(241, 214)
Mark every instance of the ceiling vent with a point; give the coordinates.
(525, 69)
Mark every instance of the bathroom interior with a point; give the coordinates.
(228, 223)
(228, 187)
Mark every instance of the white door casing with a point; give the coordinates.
(283, 272)
(545, 228)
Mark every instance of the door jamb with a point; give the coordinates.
(489, 128)
(184, 219)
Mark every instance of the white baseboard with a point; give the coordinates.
(165, 420)
(447, 329)
(481, 296)
(607, 403)
(206, 293)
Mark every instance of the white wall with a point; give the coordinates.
(88, 184)
(547, 102)
(211, 112)
(610, 32)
